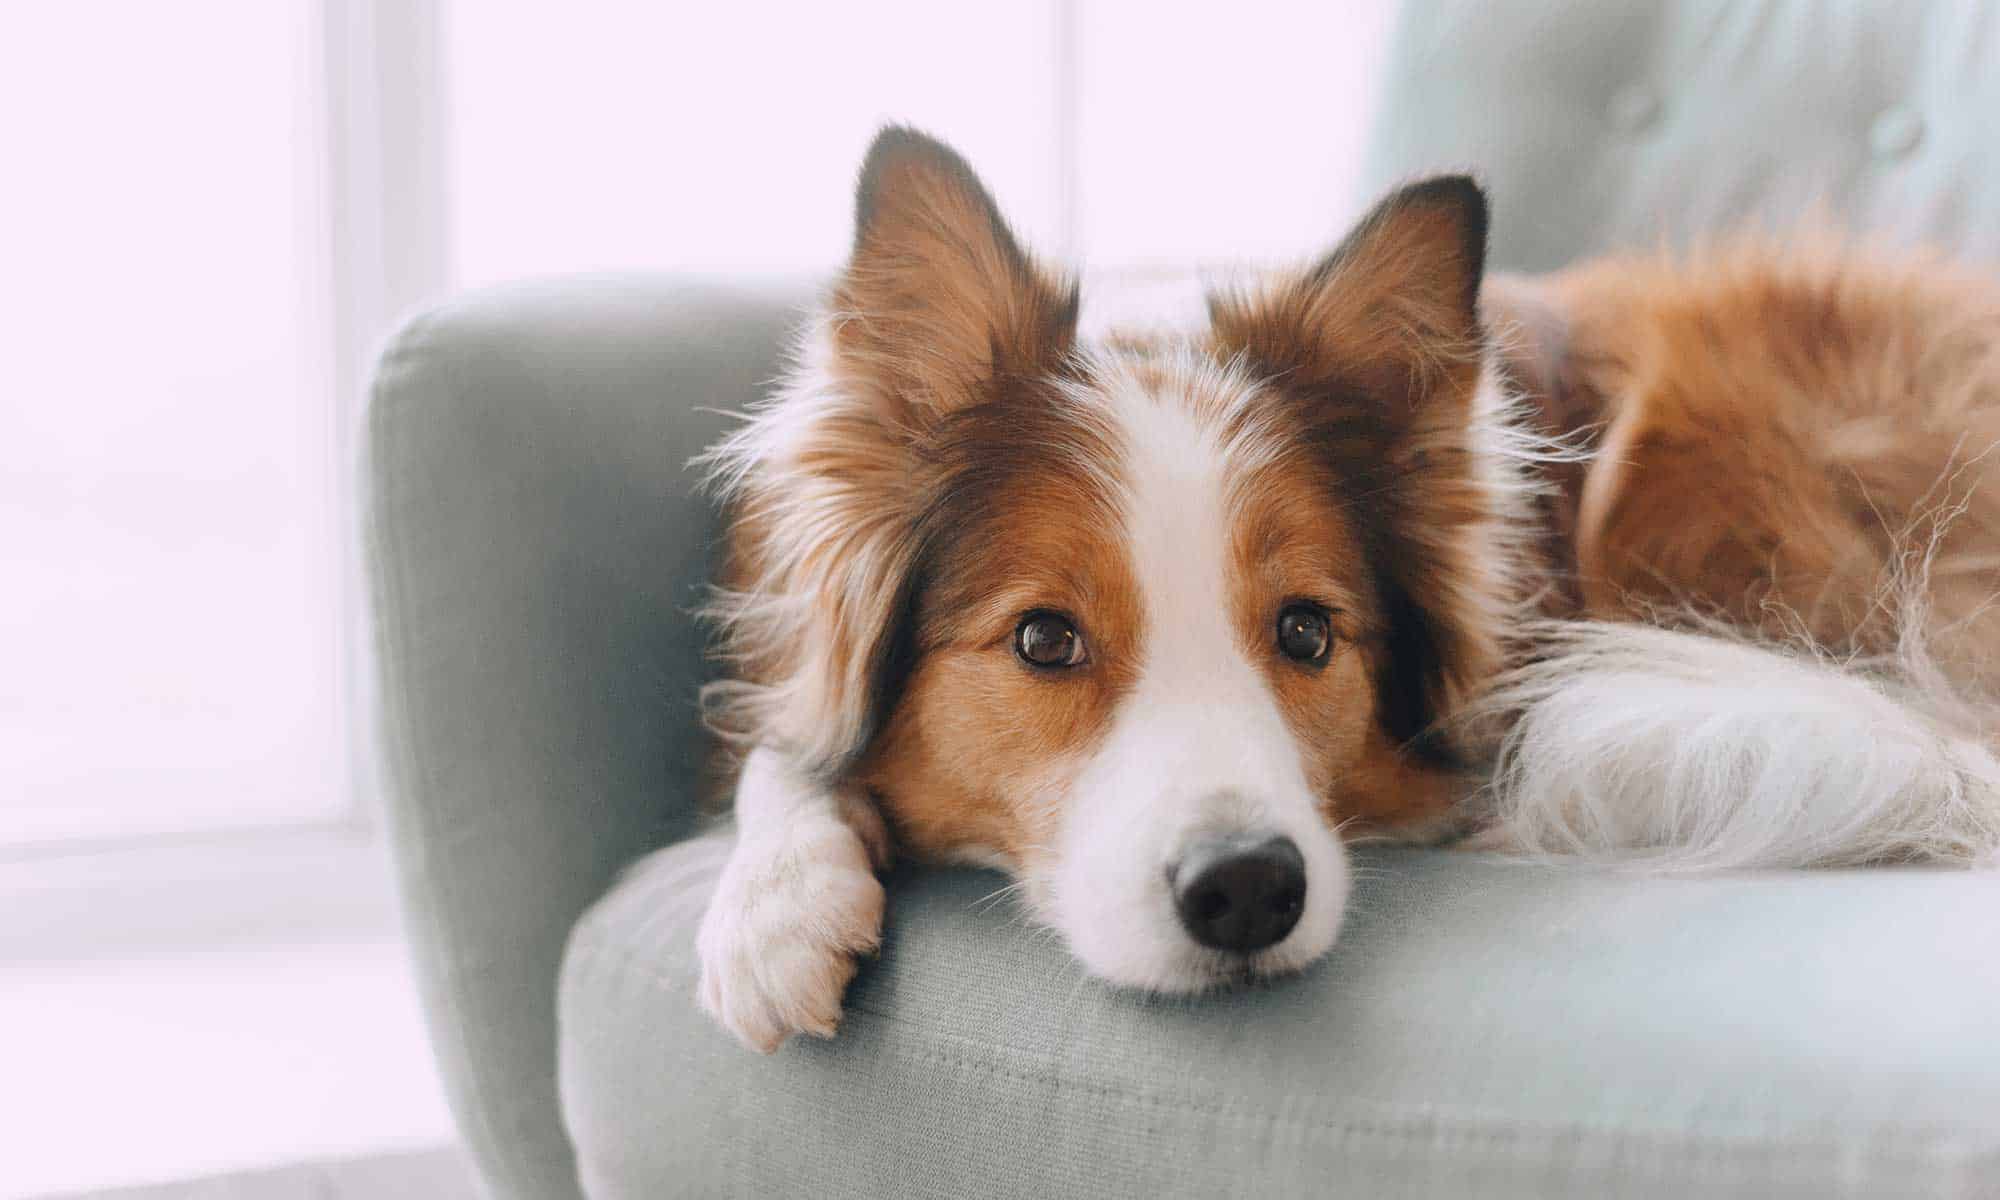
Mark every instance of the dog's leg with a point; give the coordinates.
(797, 902)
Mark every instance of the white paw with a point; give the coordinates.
(794, 908)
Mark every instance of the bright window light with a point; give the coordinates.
(723, 138)
(171, 565)
(168, 565)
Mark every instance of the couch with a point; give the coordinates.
(1484, 1028)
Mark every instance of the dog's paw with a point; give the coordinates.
(791, 914)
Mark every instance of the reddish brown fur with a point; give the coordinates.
(1374, 355)
(1782, 428)
(959, 491)
(939, 311)
(1794, 443)
(1010, 529)
(1770, 432)
(1294, 539)
(1379, 352)
(1379, 349)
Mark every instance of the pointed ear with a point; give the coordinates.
(1425, 242)
(1379, 349)
(939, 301)
(1390, 310)
(937, 309)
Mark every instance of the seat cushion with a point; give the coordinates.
(1482, 1028)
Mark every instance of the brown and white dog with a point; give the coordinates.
(1687, 564)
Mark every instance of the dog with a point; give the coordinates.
(1686, 564)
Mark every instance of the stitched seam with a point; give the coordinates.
(1449, 1129)
(1958, 1160)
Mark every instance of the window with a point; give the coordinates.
(724, 138)
(171, 583)
(216, 211)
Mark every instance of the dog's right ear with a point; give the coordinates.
(939, 303)
(937, 310)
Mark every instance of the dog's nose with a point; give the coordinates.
(1240, 892)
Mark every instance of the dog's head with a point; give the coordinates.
(1144, 622)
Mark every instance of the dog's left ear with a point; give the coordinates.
(1380, 345)
(1393, 309)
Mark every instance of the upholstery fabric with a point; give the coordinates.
(1482, 1028)
(534, 547)
(1632, 123)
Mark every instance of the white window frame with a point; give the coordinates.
(384, 253)
(388, 253)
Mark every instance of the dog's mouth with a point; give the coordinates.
(1196, 970)
(1220, 971)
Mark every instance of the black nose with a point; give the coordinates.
(1240, 891)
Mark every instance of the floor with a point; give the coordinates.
(152, 1059)
(439, 1174)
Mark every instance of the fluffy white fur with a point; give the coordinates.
(1698, 750)
(797, 901)
(819, 599)
(1198, 745)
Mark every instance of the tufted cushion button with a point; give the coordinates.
(1634, 108)
(1895, 133)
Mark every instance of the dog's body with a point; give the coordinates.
(1147, 621)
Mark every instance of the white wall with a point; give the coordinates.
(166, 586)
(214, 211)
(725, 138)
(1222, 133)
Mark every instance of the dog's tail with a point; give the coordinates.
(1703, 749)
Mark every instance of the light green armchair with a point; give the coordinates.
(1482, 1028)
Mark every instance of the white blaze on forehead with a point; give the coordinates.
(1177, 473)
(1199, 744)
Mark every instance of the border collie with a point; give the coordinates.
(1679, 563)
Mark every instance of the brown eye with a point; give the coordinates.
(1046, 639)
(1303, 633)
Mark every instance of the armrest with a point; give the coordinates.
(534, 544)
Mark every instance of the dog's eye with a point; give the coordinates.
(1303, 633)
(1046, 639)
